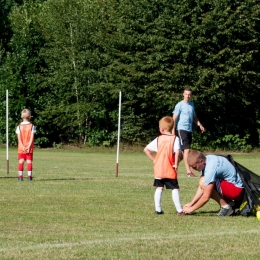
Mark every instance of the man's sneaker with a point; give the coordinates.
(158, 212)
(180, 213)
(225, 212)
(190, 174)
(20, 178)
(29, 178)
(231, 204)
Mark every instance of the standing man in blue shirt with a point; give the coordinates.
(183, 116)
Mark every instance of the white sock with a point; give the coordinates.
(29, 173)
(226, 206)
(20, 173)
(158, 199)
(176, 200)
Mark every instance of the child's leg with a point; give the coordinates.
(158, 199)
(29, 168)
(20, 169)
(176, 200)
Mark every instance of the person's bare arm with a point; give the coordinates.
(201, 201)
(20, 141)
(177, 158)
(175, 117)
(27, 149)
(197, 122)
(196, 197)
(149, 154)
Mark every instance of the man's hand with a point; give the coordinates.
(202, 128)
(187, 209)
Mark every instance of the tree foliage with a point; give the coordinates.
(67, 60)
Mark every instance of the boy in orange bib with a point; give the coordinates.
(167, 148)
(25, 134)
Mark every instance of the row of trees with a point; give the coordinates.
(67, 60)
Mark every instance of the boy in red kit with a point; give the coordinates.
(25, 134)
(167, 147)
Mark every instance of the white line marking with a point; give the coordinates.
(123, 239)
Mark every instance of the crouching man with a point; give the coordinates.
(219, 181)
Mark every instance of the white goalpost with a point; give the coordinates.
(7, 134)
(118, 133)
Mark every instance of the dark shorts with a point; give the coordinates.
(168, 183)
(185, 139)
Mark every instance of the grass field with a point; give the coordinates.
(75, 208)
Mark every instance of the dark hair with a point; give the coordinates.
(187, 89)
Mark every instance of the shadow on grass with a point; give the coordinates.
(204, 213)
(56, 179)
(8, 177)
(201, 213)
(63, 179)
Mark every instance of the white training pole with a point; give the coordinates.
(118, 133)
(7, 134)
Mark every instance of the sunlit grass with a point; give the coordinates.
(75, 208)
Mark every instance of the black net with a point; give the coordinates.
(251, 182)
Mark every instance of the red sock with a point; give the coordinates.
(20, 167)
(29, 166)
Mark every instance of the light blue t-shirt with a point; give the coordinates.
(218, 167)
(185, 112)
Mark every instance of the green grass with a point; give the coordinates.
(75, 208)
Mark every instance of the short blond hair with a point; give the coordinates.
(166, 123)
(26, 113)
(194, 156)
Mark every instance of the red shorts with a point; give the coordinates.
(25, 156)
(230, 191)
